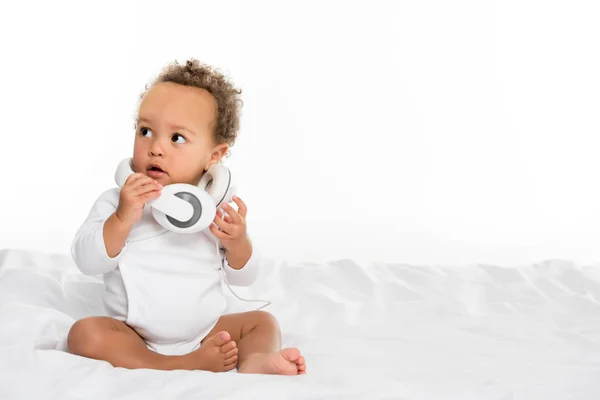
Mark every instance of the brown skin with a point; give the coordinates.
(175, 131)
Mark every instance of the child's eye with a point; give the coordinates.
(146, 132)
(177, 136)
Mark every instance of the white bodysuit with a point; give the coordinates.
(164, 285)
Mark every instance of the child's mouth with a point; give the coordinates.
(155, 171)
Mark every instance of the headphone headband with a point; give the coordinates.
(192, 206)
(216, 181)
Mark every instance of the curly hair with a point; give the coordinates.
(196, 74)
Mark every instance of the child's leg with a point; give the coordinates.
(108, 339)
(259, 342)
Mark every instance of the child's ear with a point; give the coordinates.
(217, 154)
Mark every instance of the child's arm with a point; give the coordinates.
(240, 261)
(90, 252)
(241, 264)
(237, 255)
(101, 240)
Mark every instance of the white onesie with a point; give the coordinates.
(164, 285)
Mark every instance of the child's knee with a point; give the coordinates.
(265, 319)
(86, 336)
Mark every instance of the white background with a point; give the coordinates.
(430, 131)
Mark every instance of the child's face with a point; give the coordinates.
(174, 140)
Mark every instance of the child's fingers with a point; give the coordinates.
(152, 195)
(235, 217)
(146, 187)
(242, 209)
(218, 234)
(224, 226)
(226, 218)
(133, 178)
(141, 181)
(135, 183)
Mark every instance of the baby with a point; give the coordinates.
(163, 291)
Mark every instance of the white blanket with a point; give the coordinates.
(387, 331)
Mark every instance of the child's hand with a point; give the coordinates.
(233, 226)
(136, 191)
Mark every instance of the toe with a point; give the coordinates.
(231, 353)
(227, 347)
(219, 339)
(229, 367)
(231, 360)
(302, 367)
(300, 361)
(291, 354)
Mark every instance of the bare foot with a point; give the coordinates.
(284, 362)
(218, 353)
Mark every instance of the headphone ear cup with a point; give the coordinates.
(202, 205)
(123, 171)
(229, 196)
(217, 183)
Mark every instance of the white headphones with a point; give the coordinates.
(185, 208)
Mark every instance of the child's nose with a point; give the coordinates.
(156, 149)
